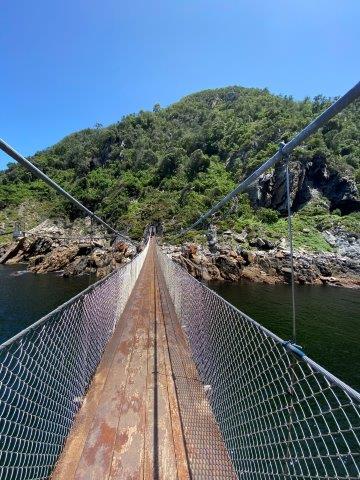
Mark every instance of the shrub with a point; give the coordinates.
(268, 215)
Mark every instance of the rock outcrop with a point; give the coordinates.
(271, 264)
(53, 248)
(228, 257)
(307, 180)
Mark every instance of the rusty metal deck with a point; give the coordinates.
(146, 415)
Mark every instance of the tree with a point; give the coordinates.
(198, 163)
(169, 164)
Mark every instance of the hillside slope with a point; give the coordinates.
(172, 164)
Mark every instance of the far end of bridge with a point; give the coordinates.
(146, 414)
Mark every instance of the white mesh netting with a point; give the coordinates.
(46, 369)
(281, 415)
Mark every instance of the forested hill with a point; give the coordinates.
(173, 163)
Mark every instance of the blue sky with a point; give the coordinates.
(66, 65)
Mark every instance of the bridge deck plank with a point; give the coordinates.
(206, 452)
(137, 419)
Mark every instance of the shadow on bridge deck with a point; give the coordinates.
(145, 415)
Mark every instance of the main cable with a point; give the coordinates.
(285, 149)
(39, 174)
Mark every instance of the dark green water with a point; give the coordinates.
(25, 297)
(328, 320)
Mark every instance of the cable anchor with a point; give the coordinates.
(294, 348)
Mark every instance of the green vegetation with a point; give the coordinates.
(172, 164)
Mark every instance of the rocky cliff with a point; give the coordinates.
(70, 250)
(308, 180)
(228, 259)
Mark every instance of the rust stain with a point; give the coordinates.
(123, 438)
(103, 437)
(124, 347)
(134, 423)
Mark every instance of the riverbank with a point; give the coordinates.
(72, 251)
(231, 259)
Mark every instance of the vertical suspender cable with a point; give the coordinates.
(290, 237)
(91, 243)
(291, 359)
(285, 149)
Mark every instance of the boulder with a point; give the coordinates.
(35, 261)
(248, 256)
(324, 268)
(262, 243)
(229, 267)
(205, 275)
(56, 260)
(240, 237)
(103, 271)
(189, 250)
(256, 242)
(118, 257)
(213, 272)
(38, 246)
(212, 239)
(12, 250)
(99, 258)
(121, 247)
(253, 273)
(79, 266)
(48, 228)
(197, 259)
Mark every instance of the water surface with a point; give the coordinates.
(25, 297)
(328, 320)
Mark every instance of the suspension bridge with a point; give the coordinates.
(148, 374)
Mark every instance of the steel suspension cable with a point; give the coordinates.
(290, 237)
(285, 149)
(91, 244)
(292, 378)
(39, 174)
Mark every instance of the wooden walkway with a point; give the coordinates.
(145, 415)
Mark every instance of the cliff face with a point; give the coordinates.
(228, 259)
(308, 180)
(76, 249)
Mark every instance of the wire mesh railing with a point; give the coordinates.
(281, 415)
(45, 371)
